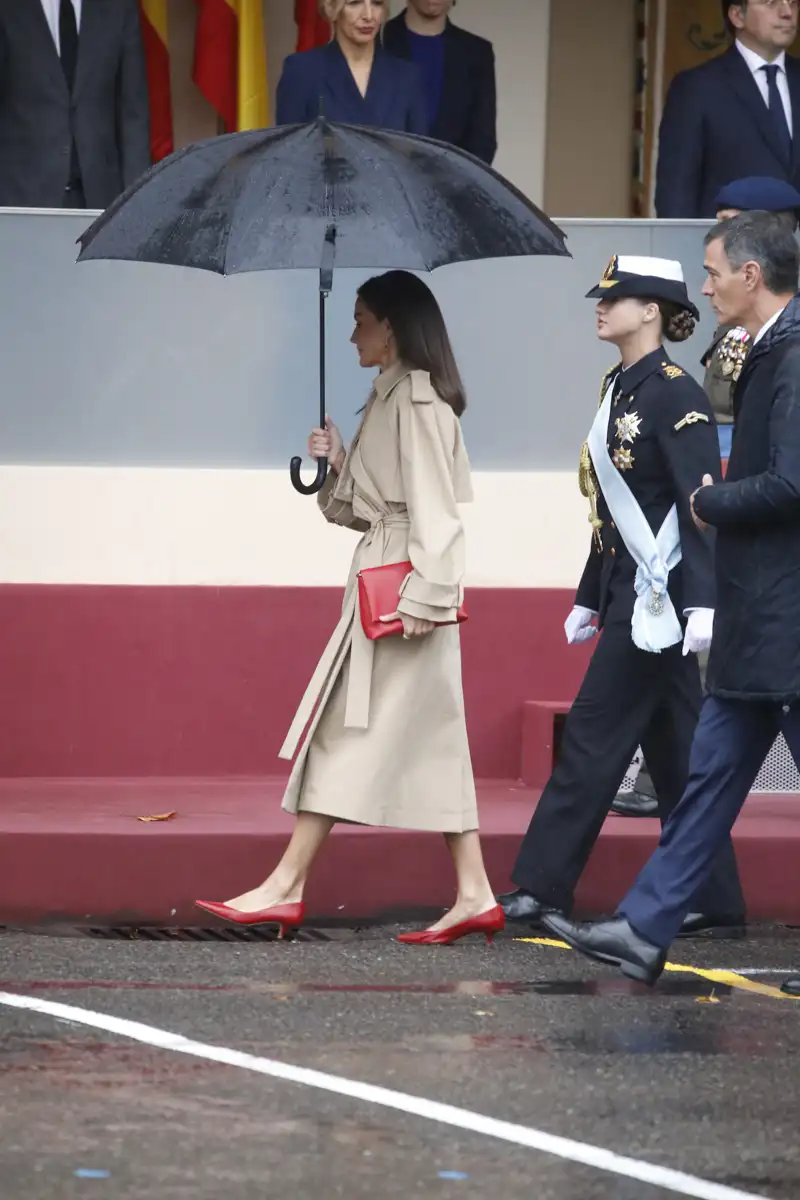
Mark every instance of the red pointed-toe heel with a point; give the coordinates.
(489, 923)
(285, 916)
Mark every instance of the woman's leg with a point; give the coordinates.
(287, 882)
(474, 893)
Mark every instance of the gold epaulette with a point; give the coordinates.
(587, 480)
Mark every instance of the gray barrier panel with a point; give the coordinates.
(129, 364)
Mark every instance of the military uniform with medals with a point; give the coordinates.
(723, 362)
(661, 438)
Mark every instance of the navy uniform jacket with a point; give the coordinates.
(321, 78)
(467, 115)
(669, 444)
(717, 128)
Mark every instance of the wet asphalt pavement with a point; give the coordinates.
(527, 1033)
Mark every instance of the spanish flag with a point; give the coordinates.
(312, 28)
(230, 61)
(155, 34)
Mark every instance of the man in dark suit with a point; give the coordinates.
(458, 74)
(735, 116)
(74, 104)
(752, 262)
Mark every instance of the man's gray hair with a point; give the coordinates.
(766, 239)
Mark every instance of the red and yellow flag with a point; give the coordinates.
(155, 33)
(312, 28)
(230, 61)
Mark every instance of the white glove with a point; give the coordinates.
(699, 629)
(578, 626)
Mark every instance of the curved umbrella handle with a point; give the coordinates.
(308, 489)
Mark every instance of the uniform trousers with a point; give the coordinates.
(733, 738)
(628, 698)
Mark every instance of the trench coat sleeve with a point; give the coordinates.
(432, 590)
(588, 593)
(338, 511)
(690, 452)
(774, 494)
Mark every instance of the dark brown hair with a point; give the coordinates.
(677, 323)
(419, 330)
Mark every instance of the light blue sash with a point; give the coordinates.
(654, 625)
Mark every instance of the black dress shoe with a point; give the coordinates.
(791, 986)
(613, 942)
(703, 925)
(522, 906)
(635, 804)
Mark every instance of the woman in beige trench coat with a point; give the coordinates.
(387, 739)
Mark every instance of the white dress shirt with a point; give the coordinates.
(755, 62)
(52, 9)
(768, 325)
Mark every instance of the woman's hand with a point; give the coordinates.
(413, 627)
(327, 443)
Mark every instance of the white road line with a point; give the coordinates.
(756, 970)
(430, 1110)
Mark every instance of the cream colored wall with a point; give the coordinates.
(182, 527)
(519, 30)
(589, 135)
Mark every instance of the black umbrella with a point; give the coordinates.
(316, 196)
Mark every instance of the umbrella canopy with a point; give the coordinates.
(318, 196)
(266, 200)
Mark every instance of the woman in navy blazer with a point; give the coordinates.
(352, 80)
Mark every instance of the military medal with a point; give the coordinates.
(629, 427)
(732, 352)
(622, 459)
(656, 605)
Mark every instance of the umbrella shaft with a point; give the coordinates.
(323, 407)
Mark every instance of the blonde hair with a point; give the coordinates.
(331, 10)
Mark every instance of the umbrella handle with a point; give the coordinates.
(308, 489)
(325, 285)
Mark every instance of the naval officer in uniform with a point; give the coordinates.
(648, 584)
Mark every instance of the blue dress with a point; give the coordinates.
(322, 79)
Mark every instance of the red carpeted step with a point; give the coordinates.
(73, 850)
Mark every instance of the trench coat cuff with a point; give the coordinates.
(429, 601)
(427, 612)
(335, 510)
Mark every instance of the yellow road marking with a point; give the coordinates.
(730, 978)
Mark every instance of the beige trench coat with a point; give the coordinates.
(387, 743)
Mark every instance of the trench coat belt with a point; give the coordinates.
(348, 634)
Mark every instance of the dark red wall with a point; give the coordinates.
(110, 681)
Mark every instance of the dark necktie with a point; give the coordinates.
(778, 112)
(68, 37)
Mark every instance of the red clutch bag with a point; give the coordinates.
(379, 595)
